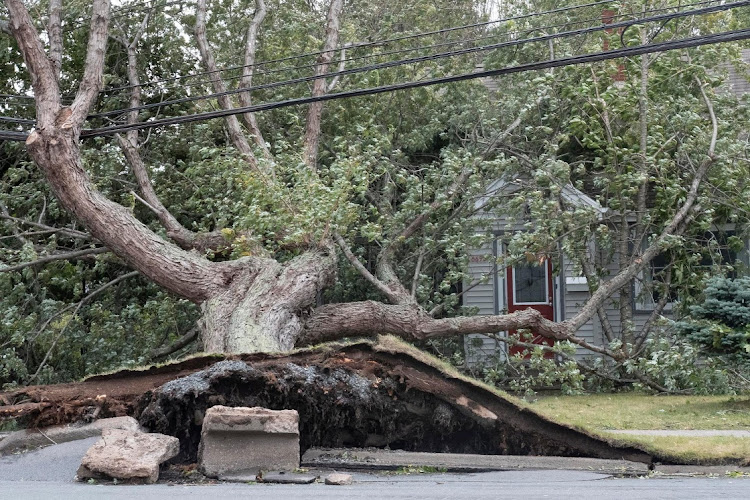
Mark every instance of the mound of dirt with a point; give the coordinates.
(380, 393)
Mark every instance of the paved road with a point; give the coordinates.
(478, 486)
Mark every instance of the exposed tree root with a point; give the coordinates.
(383, 393)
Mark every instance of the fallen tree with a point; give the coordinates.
(383, 393)
(269, 299)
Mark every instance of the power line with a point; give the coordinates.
(381, 42)
(728, 36)
(392, 52)
(401, 62)
(376, 42)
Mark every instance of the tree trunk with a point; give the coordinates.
(262, 310)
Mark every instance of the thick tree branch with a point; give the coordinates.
(366, 319)
(88, 90)
(175, 346)
(382, 287)
(41, 69)
(675, 225)
(54, 147)
(209, 61)
(55, 257)
(342, 66)
(312, 128)
(54, 31)
(643, 140)
(185, 238)
(251, 45)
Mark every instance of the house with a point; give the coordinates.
(555, 288)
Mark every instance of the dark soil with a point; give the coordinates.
(380, 394)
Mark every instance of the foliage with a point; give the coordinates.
(719, 324)
(677, 366)
(534, 369)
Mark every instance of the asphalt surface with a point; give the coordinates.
(48, 473)
(474, 486)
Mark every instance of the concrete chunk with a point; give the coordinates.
(287, 478)
(248, 440)
(129, 456)
(338, 479)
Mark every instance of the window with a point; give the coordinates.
(529, 284)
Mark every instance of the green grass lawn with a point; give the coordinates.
(601, 412)
(643, 411)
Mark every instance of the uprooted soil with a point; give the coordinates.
(363, 394)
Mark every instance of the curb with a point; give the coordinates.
(376, 459)
(33, 438)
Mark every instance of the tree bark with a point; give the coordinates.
(261, 311)
(315, 111)
(54, 32)
(54, 147)
(251, 45)
(233, 124)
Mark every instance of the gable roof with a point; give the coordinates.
(568, 193)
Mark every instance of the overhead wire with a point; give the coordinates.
(722, 37)
(316, 53)
(387, 53)
(376, 43)
(527, 67)
(401, 62)
(383, 42)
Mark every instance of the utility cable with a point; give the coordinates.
(723, 37)
(376, 43)
(401, 62)
(387, 53)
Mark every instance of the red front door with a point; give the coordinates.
(530, 285)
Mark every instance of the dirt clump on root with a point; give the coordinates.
(364, 394)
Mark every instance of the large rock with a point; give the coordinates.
(129, 456)
(248, 440)
(31, 438)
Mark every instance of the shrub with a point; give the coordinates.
(720, 324)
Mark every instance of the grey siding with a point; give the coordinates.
(738, 82)
(479, 348)
(573, 296)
